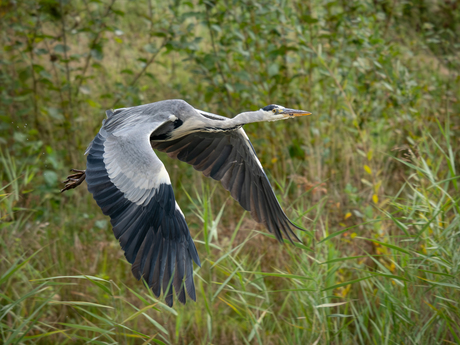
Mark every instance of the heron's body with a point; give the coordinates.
(132, 186)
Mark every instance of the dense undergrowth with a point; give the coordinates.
(373, 175)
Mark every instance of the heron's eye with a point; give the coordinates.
(275, 111)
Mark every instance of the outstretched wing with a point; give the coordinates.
(131, 185)
(228, 156)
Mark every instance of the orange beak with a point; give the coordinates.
(294, 112)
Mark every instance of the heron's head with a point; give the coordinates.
(274, 112)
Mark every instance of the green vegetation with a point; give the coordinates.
(373, 175)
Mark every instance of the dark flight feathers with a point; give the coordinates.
(155, 237)
(229, 157)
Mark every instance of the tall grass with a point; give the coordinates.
(372, 175)
(403, 288)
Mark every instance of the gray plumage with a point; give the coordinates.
(132, 186)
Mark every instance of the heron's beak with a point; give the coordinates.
(294, 112)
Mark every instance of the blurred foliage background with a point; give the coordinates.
(372, 175)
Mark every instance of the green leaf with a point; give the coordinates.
(50, 177)
(73, 277)
(43, 334)
(339, 315)
(82, 303)
(346, 283)
(441, 284)
(346, 258)
(280, 275)
(95, 329)
(391, 246)
(61, 48)
(273, 69)
(101, 286)
(141, 311)
(93, 103)
(55, 114)
(150, 48)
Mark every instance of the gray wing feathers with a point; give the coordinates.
(126, 118)
(230, 158)
(130, 185)
(132, 165)
(212, 116)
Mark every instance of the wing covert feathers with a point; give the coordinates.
(153, 235)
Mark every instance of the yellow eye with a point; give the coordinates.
(275, 111)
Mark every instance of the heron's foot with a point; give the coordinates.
(74, 180)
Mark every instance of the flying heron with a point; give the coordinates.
(131, 185)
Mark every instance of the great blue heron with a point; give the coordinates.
(131, 185)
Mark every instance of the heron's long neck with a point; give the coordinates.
(242, 119)
(212, 125)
